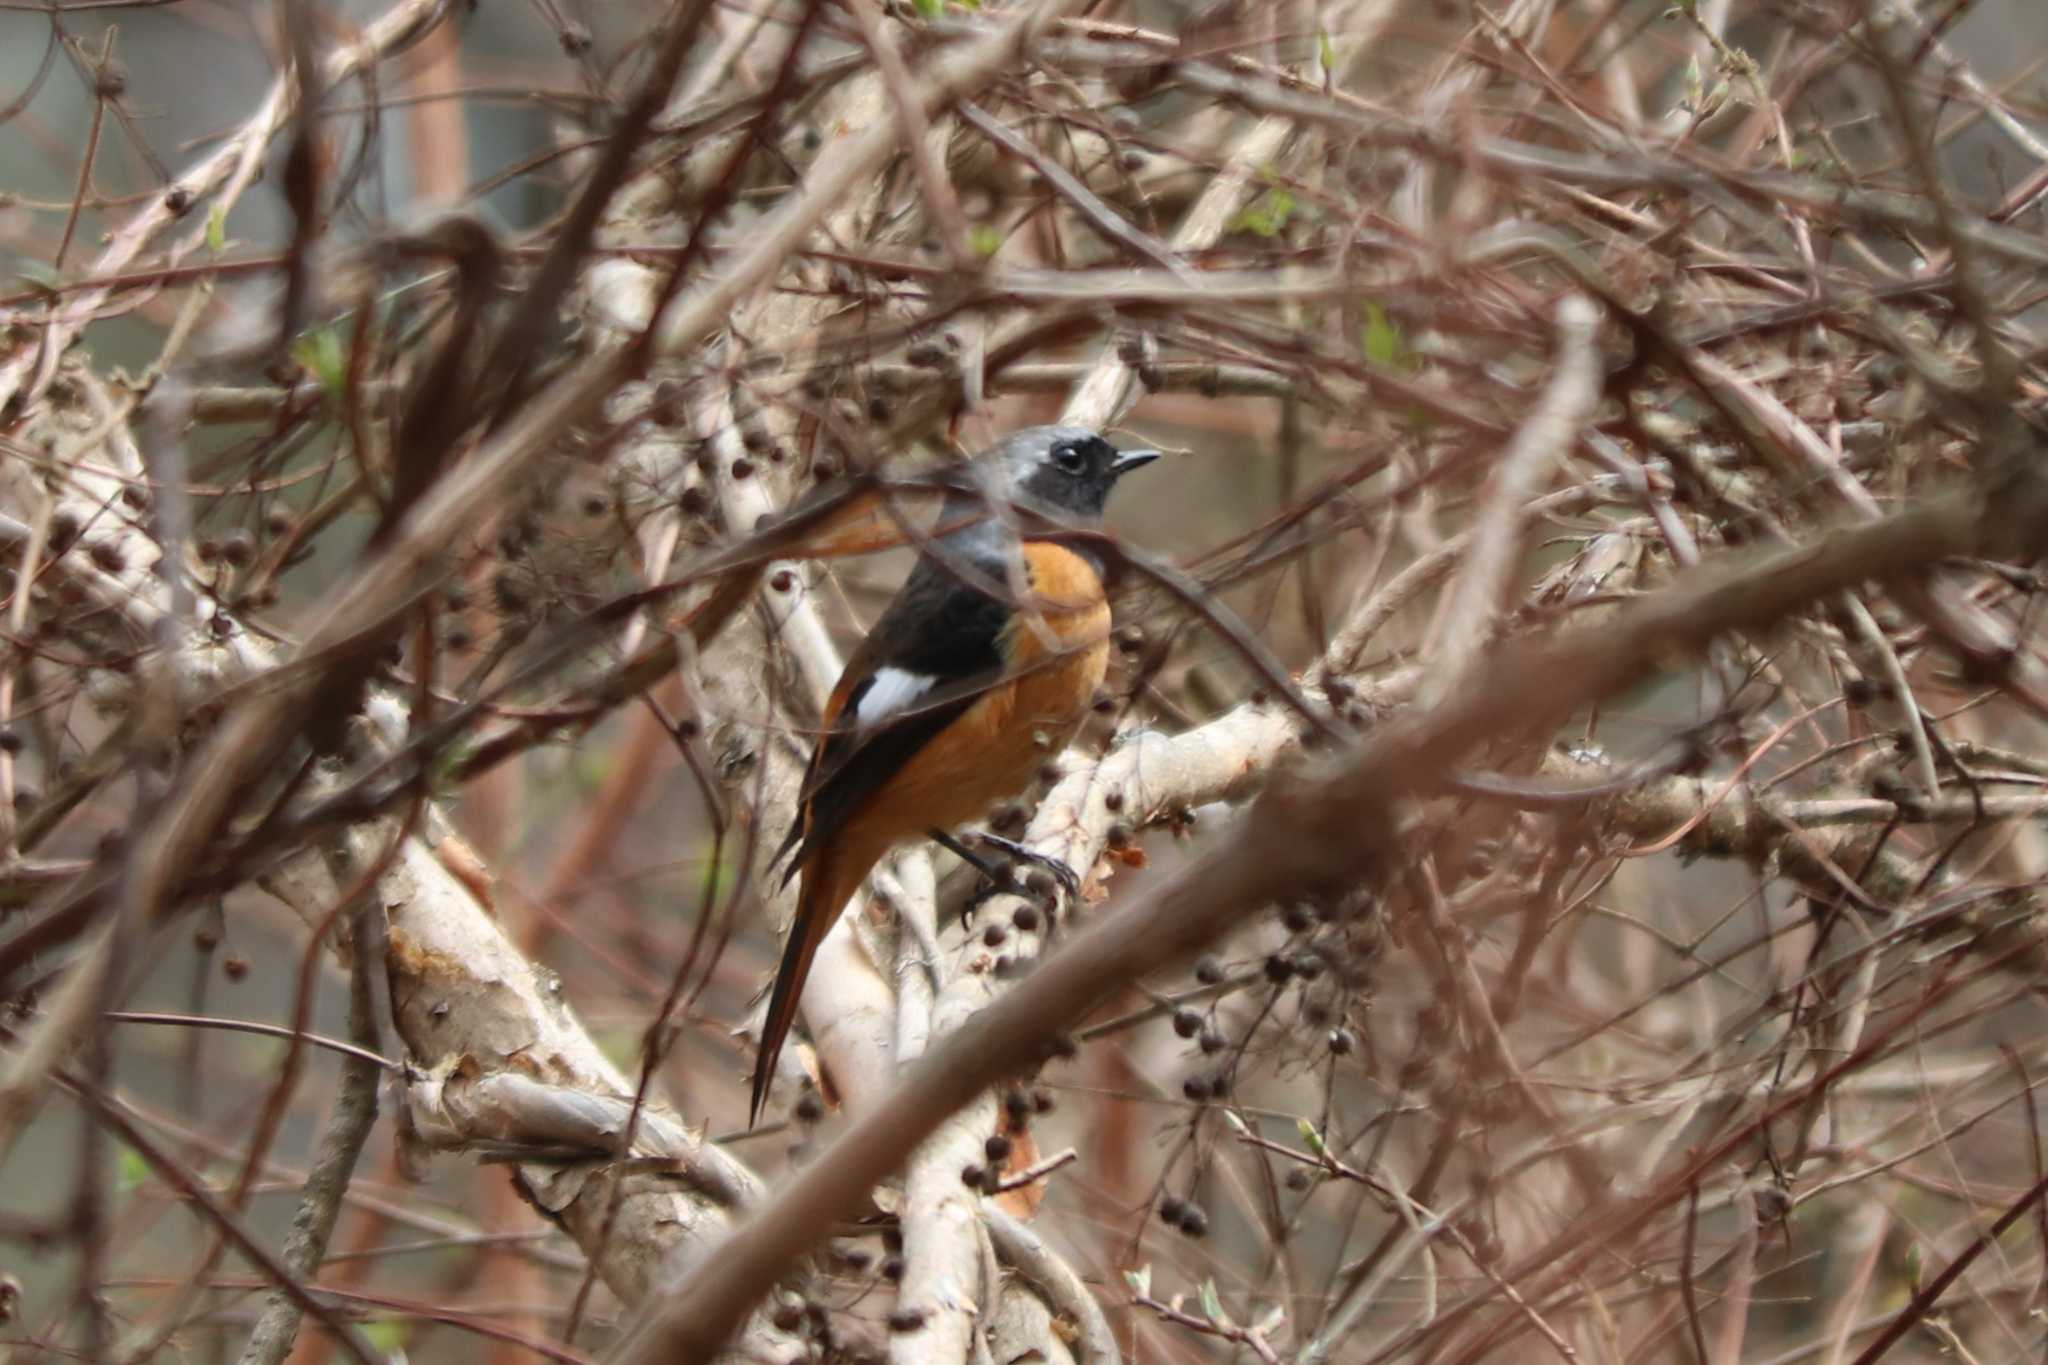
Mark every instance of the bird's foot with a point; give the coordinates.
(1069, 881)
(994, 880)
(998, 880)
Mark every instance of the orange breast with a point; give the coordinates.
(1058, 652)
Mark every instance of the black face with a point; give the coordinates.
(1069, 469)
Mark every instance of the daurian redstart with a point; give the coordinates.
(981, 669)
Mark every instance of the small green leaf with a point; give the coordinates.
(1267, 215)
(1326, 51)
(217, 229)
(930, 9)
(442, 778)
(985, 240)
(1140, 1281)
(130, 1170)
(1311, 1137)
(1380, 336)
(385, 1334)
(1212, 1304)
(320, 354)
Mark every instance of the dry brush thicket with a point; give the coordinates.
(1561, 848)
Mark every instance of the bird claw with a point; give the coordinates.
(1069, 881)
(994, 883)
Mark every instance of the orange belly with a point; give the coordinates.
(1058, 650)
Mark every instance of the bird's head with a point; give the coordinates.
(1067, 470)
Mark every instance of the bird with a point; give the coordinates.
(984, 665)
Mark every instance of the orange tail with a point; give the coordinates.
(829, 882)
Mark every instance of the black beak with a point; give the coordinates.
(1128, 460)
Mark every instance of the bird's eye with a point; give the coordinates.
(1069, 458)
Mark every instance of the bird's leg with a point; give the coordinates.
(994, 879)
(1018, 853)
(969, 856)
(1069, 880)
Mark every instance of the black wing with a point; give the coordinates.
(943, 632)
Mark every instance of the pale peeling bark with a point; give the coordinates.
(941, 1226)
(502, 1057)
(867, 1003)
(505, 1060)
(503, 1066)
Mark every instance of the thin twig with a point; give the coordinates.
(348, 1128)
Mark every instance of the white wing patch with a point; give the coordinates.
(893, 692)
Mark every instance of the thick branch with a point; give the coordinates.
(1297, 839)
